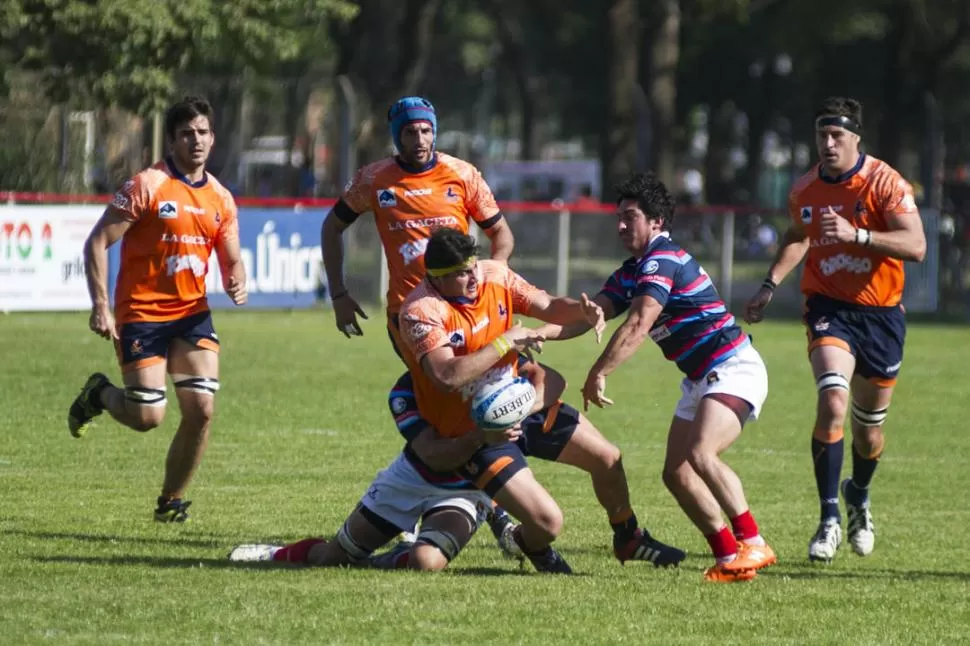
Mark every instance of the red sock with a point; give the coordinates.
(723, 544)
(297, 552)
(744, 526)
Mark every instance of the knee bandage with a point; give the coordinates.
(449, 542)
(202, 385)
(355, 552)
(145, 396)
(830, 380)
(865, 417)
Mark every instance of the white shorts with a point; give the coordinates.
(744, 375)
(401, 496)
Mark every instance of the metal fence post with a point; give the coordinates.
(562, 253)
(727, 258)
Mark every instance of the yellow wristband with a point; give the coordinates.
(502, 346)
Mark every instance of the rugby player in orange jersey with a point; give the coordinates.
(169, 218)
(457, 324)
(410, 194)
(855, 222)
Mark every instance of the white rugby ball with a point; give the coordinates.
(497, 405)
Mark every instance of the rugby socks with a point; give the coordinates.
(723, 545)
(827, 457)
(746, 529)
(624, 526)
(863, 468)
(297, 552)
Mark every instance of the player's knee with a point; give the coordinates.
(869, 417)
(676, 478)
(427, 558)
(146, 407)
(833, 399)
(546, 524)
(197, 395)
(702, 459)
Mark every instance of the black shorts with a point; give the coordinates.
(546, 433)
(874, 335)
(144, 343)
(492, 466)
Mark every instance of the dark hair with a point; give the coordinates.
(184, 111)
(448, 247)
(651, 195)
(841, 106)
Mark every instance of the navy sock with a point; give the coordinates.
(626, 530)
(828, 466)
(857, 492)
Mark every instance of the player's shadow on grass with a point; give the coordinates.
(179, 539)
(821, 572)
(186, 562)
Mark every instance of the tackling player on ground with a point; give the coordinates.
(854, 221)
(169, 218)
(670, 298)
(411, 193)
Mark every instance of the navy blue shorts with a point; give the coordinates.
(874, 335)
(546, 433)
(145, 343)
(492, 466)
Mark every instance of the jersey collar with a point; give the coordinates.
(182, 178)
(663, 235)
(415, 170)
(838, 179)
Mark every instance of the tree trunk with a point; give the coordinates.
(620, 154)
(385, 49)
(521, 64)
(662, 89)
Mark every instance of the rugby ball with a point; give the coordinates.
(499, 404)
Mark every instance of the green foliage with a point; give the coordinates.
(118, 52)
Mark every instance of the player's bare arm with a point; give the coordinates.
(500, 235)
(555, 332)
(108, 230)
(905, 239)
(568, 311)
(447, 454)
(451, 372)
(624, 343)
(345, 308)
(794, 246)
(232, 268)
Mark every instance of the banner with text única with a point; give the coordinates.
(42, 264)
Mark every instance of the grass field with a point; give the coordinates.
(302, 427)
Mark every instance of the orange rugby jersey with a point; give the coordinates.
(165, 253)
(847, 271)
(407, 206)
(428, 322)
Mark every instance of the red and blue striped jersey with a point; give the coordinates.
(695, 329)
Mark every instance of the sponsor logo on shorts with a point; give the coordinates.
(712, 378)
(821, 325)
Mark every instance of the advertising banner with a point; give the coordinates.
(41, 262)
(42, 265)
